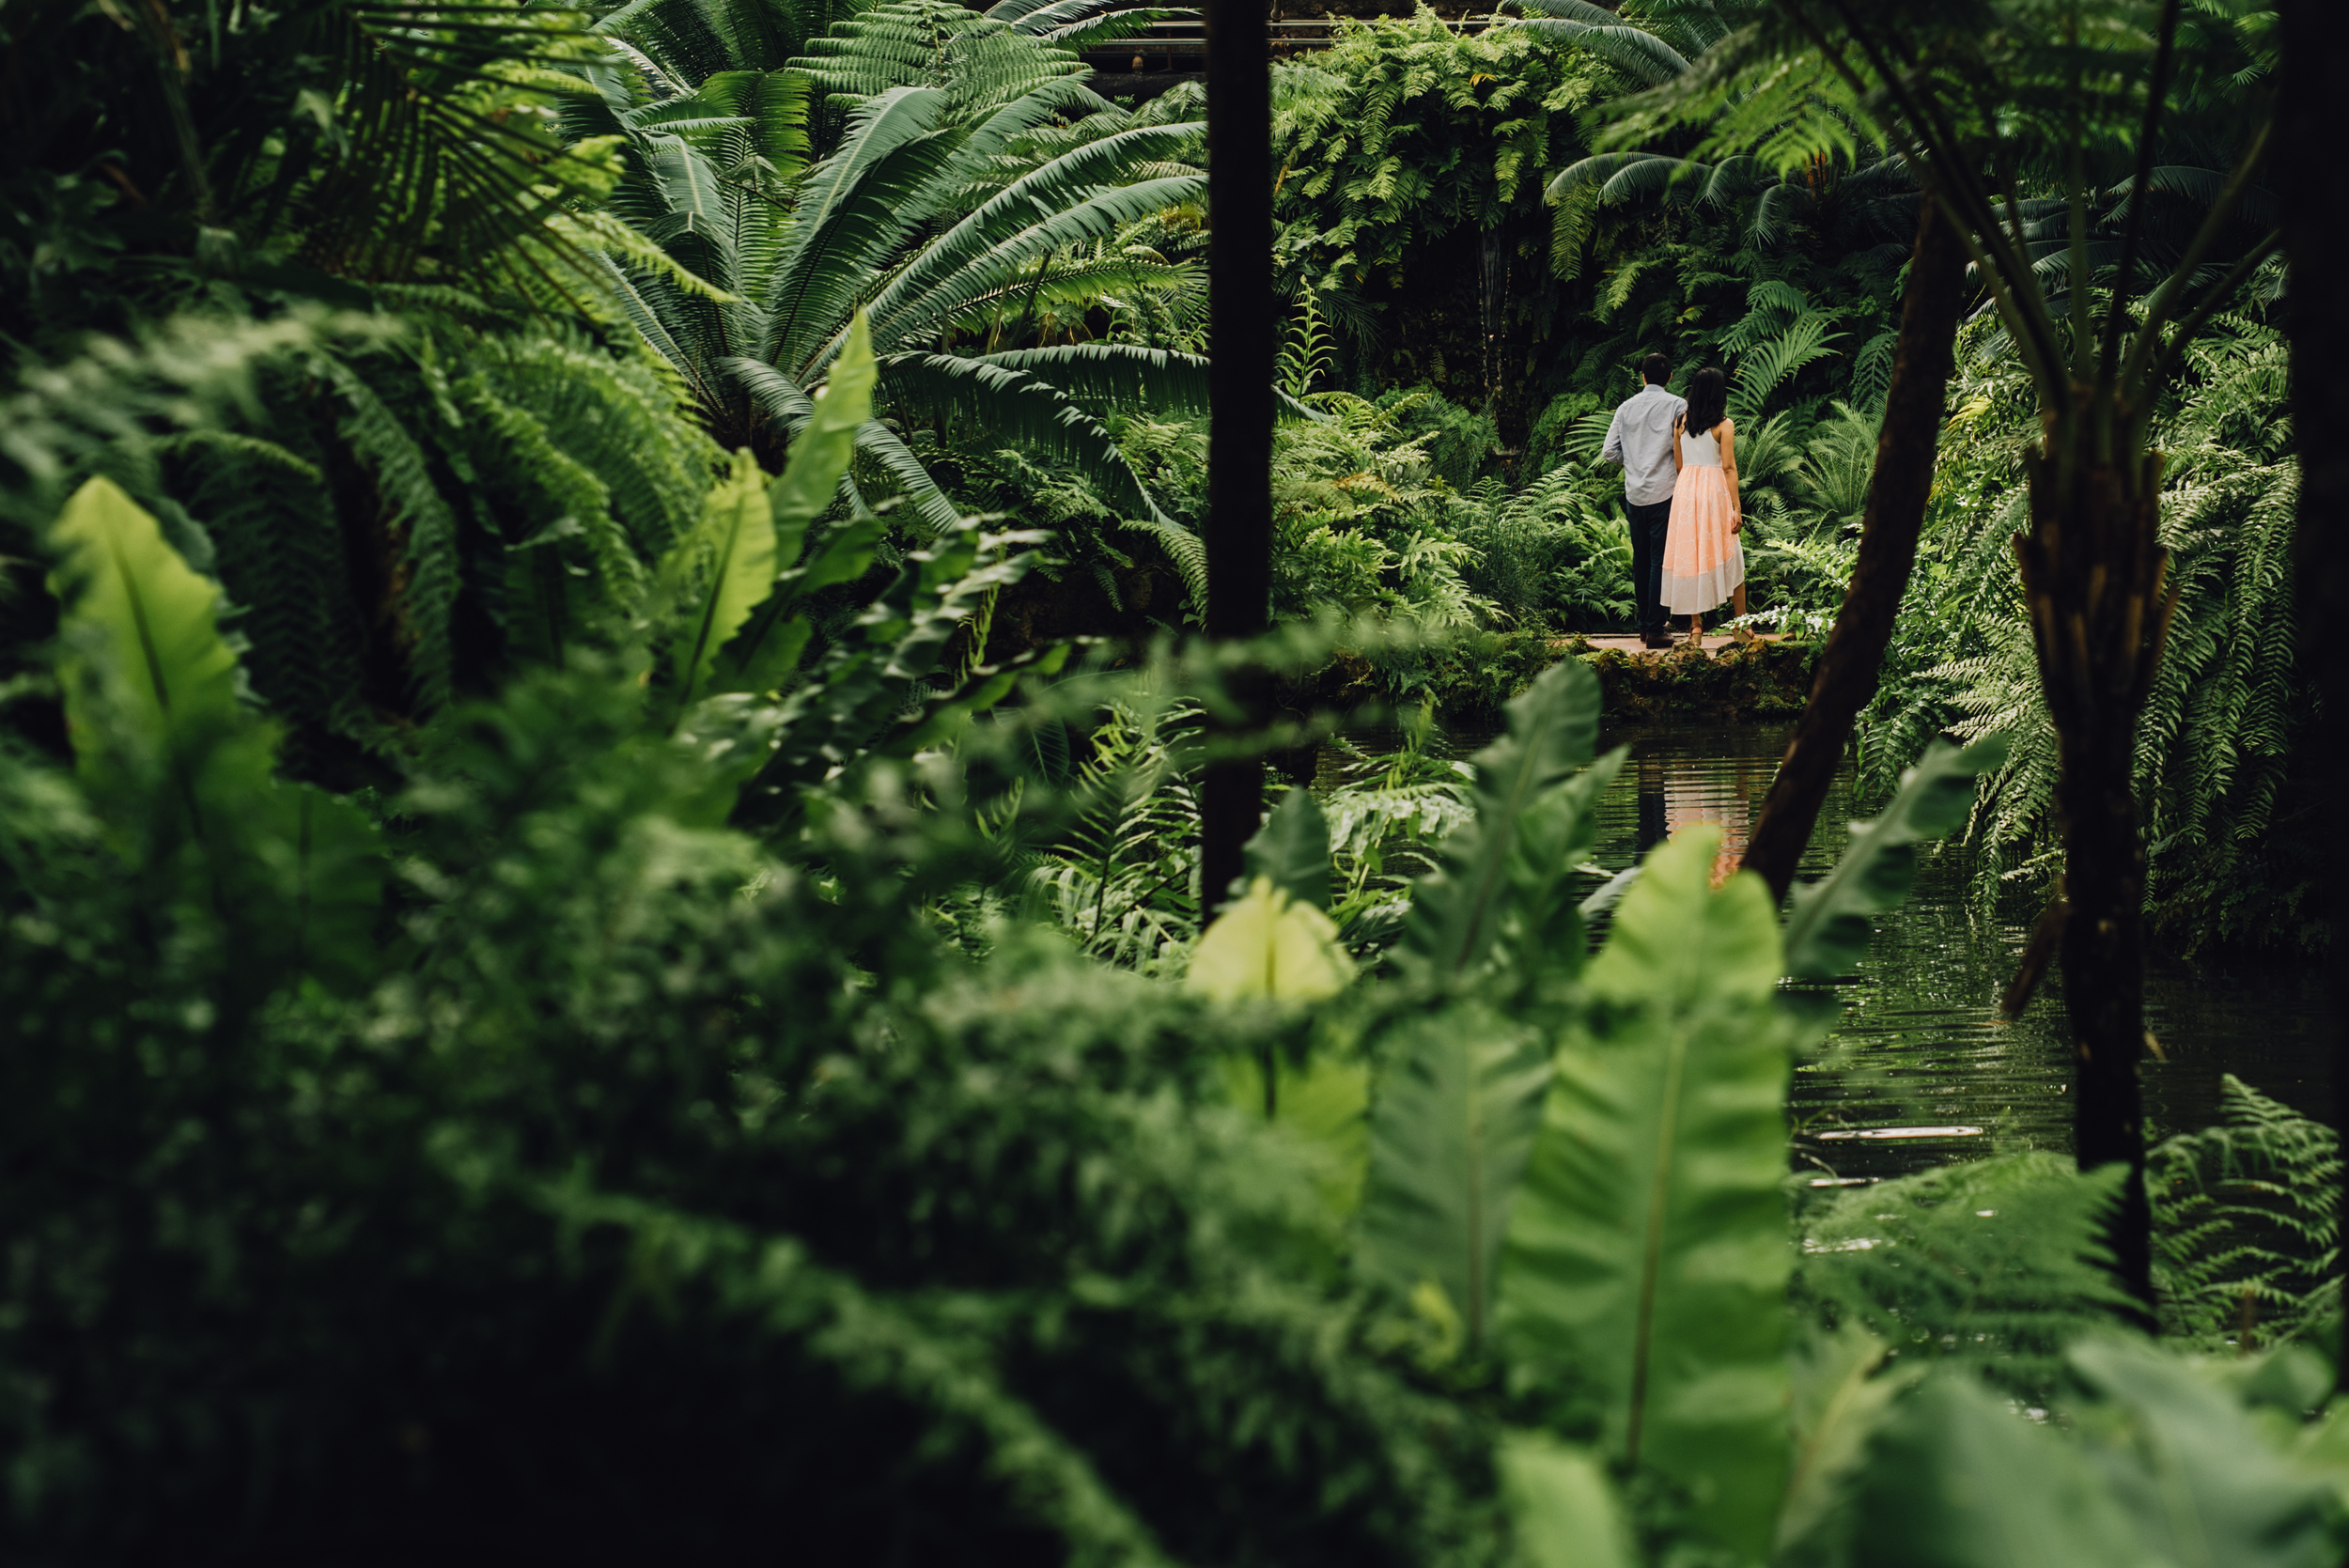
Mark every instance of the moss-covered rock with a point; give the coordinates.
(1741, 682)
(1476, 675)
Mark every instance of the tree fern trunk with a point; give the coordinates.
(2314, 80)
(1239, 441)
(1906, 448)
(2092, 578)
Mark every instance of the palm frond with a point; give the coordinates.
(1633, 50)
(1019, 406)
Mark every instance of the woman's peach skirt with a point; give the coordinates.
(1702, 559)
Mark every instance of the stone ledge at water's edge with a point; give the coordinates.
(1470, 679)
(1738, 682)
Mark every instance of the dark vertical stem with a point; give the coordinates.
(2103, 945)
(1905, 448)
(1239, 442)
(2314, 82)
(2094, 581)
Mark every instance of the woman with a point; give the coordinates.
(1704, 563)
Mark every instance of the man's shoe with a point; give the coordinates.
(1655, 639)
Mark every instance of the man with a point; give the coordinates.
(1641, 439)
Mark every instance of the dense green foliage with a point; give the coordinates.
(717, 1168)
(2228, 821)
(593, 975)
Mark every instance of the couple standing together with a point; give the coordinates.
(1680, 487)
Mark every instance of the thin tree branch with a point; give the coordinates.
(2034, 330)
(2140, 186)
(2202, 312)
(1974, 208)
(2165, 300)
(1897, 493)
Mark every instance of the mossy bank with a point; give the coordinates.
(1742, 683)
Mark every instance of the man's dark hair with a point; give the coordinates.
(1655, 368)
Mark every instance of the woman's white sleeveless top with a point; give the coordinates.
(1700, 450)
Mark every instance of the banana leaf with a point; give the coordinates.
(1648, 1255)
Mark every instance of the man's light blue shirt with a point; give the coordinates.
(1641, 439)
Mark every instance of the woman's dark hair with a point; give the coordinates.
(1708, 401)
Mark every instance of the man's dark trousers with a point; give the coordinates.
(1649, 524)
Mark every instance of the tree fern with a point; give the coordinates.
(500, 489)
(1642, 54)
(1764, 370)
(983, 59)
(695, 40)
(944, 210)
(2227, 702)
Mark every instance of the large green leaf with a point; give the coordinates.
(151, 690)
(1827, 927)
(1292, 850)
(1842, 1394)
(1265, 944)
(715, 576)
(1957, 1480)
(1541, 925)
(820, 453)
(768, 647)
(145, 668)
(1319, 1102)
(1455, 1119)
(1647, 1252)
(2205, 1482)
(1564, 1509)
(1457, 914)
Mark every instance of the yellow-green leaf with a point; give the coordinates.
(820, 453)
(1564, 1509)
(1267, 945)
(141, 630)
(717, 574)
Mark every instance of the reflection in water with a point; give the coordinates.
(1920, 1068)
(1684, 797)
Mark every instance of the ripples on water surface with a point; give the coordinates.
(1921, 1054)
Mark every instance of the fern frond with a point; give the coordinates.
(1999, 1262)
(2246, 1224)
(416, 508)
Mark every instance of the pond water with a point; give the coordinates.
(1921, 1069)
